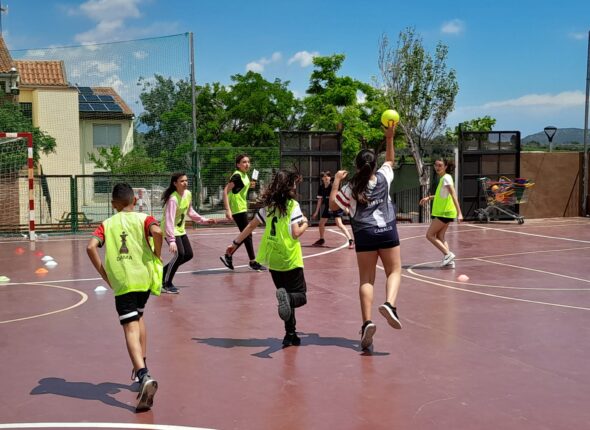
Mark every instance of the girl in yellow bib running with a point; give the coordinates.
(445, 208)
(280, 248)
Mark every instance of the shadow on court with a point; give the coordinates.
(85, 391)
(273, 344)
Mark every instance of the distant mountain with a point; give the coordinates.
(563, 135)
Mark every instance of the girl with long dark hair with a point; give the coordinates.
(372, 216)
(177, 207)
(280, 248)
(235, 201)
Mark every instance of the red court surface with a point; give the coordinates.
(507, 349)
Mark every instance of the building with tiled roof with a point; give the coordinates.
(41, 73)
(81, 123)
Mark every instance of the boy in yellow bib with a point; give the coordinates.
(133, 270)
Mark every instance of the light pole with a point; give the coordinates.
(550, 133)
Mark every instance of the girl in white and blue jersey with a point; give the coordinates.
(372, 217)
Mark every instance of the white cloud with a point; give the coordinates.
(455, 26)
(112, 21)
(564, 99)
(105, 10)
(255, 67)
(95, 68)
(259, 65)
(140, 55)
(304, 58)
(578, 35)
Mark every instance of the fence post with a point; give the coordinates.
(74, 204)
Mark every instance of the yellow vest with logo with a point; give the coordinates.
(130, 262)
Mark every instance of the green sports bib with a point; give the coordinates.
(130, 262)
(278, 250)
(443, 207)
(238, 202)
(181, 211)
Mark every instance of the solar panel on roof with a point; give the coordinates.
(99, 107)
(85, 107)
(85, 90)
(106, 98)
(81, 98)
(92, 99)
(113, 107)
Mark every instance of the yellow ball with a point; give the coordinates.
(388, 116)
(494, 188)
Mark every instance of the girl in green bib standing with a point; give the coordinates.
(177, 207)
(445, 208)
(280, 248)
(235, 201)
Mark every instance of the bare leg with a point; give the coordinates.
(367, 262)
(342, 227)
(392, 263)
(432, 235)
(143, 337)
(134, 346)
(322, 227)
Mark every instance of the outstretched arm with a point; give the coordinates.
(389, 148)
(243, 235)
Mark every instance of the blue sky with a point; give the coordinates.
(523, 62)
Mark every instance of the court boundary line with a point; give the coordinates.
(83, 300)
(103, 425)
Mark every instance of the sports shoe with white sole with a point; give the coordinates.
(284, 304)
(367, 332)
(147, 391)
(447, 259)
(390, 314)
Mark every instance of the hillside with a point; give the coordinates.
(563, 135)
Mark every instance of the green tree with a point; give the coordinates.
(419, 86)
(343, 103)
(136, 161)
(485, 123)
(12, 120)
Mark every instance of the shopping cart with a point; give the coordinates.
(503, 194)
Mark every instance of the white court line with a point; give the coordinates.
(98, 426)
(82, 301)
(527, 234)
(534, 270)
(495, 295)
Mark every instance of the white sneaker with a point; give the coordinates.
(448, 259)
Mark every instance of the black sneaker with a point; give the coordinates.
(390, 314)
(319, 242)
(367, 332)
(284, 304)
(257, 267)
(227, 261)
(291, 339)
(147, 391)
(170, 289)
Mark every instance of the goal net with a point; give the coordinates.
(17, 185)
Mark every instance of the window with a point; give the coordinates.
(27, 110)
(106, 135)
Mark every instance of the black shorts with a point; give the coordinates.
(373, 239)
(292, 280)
(443, 219)
(332, 214)
(130, 306)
